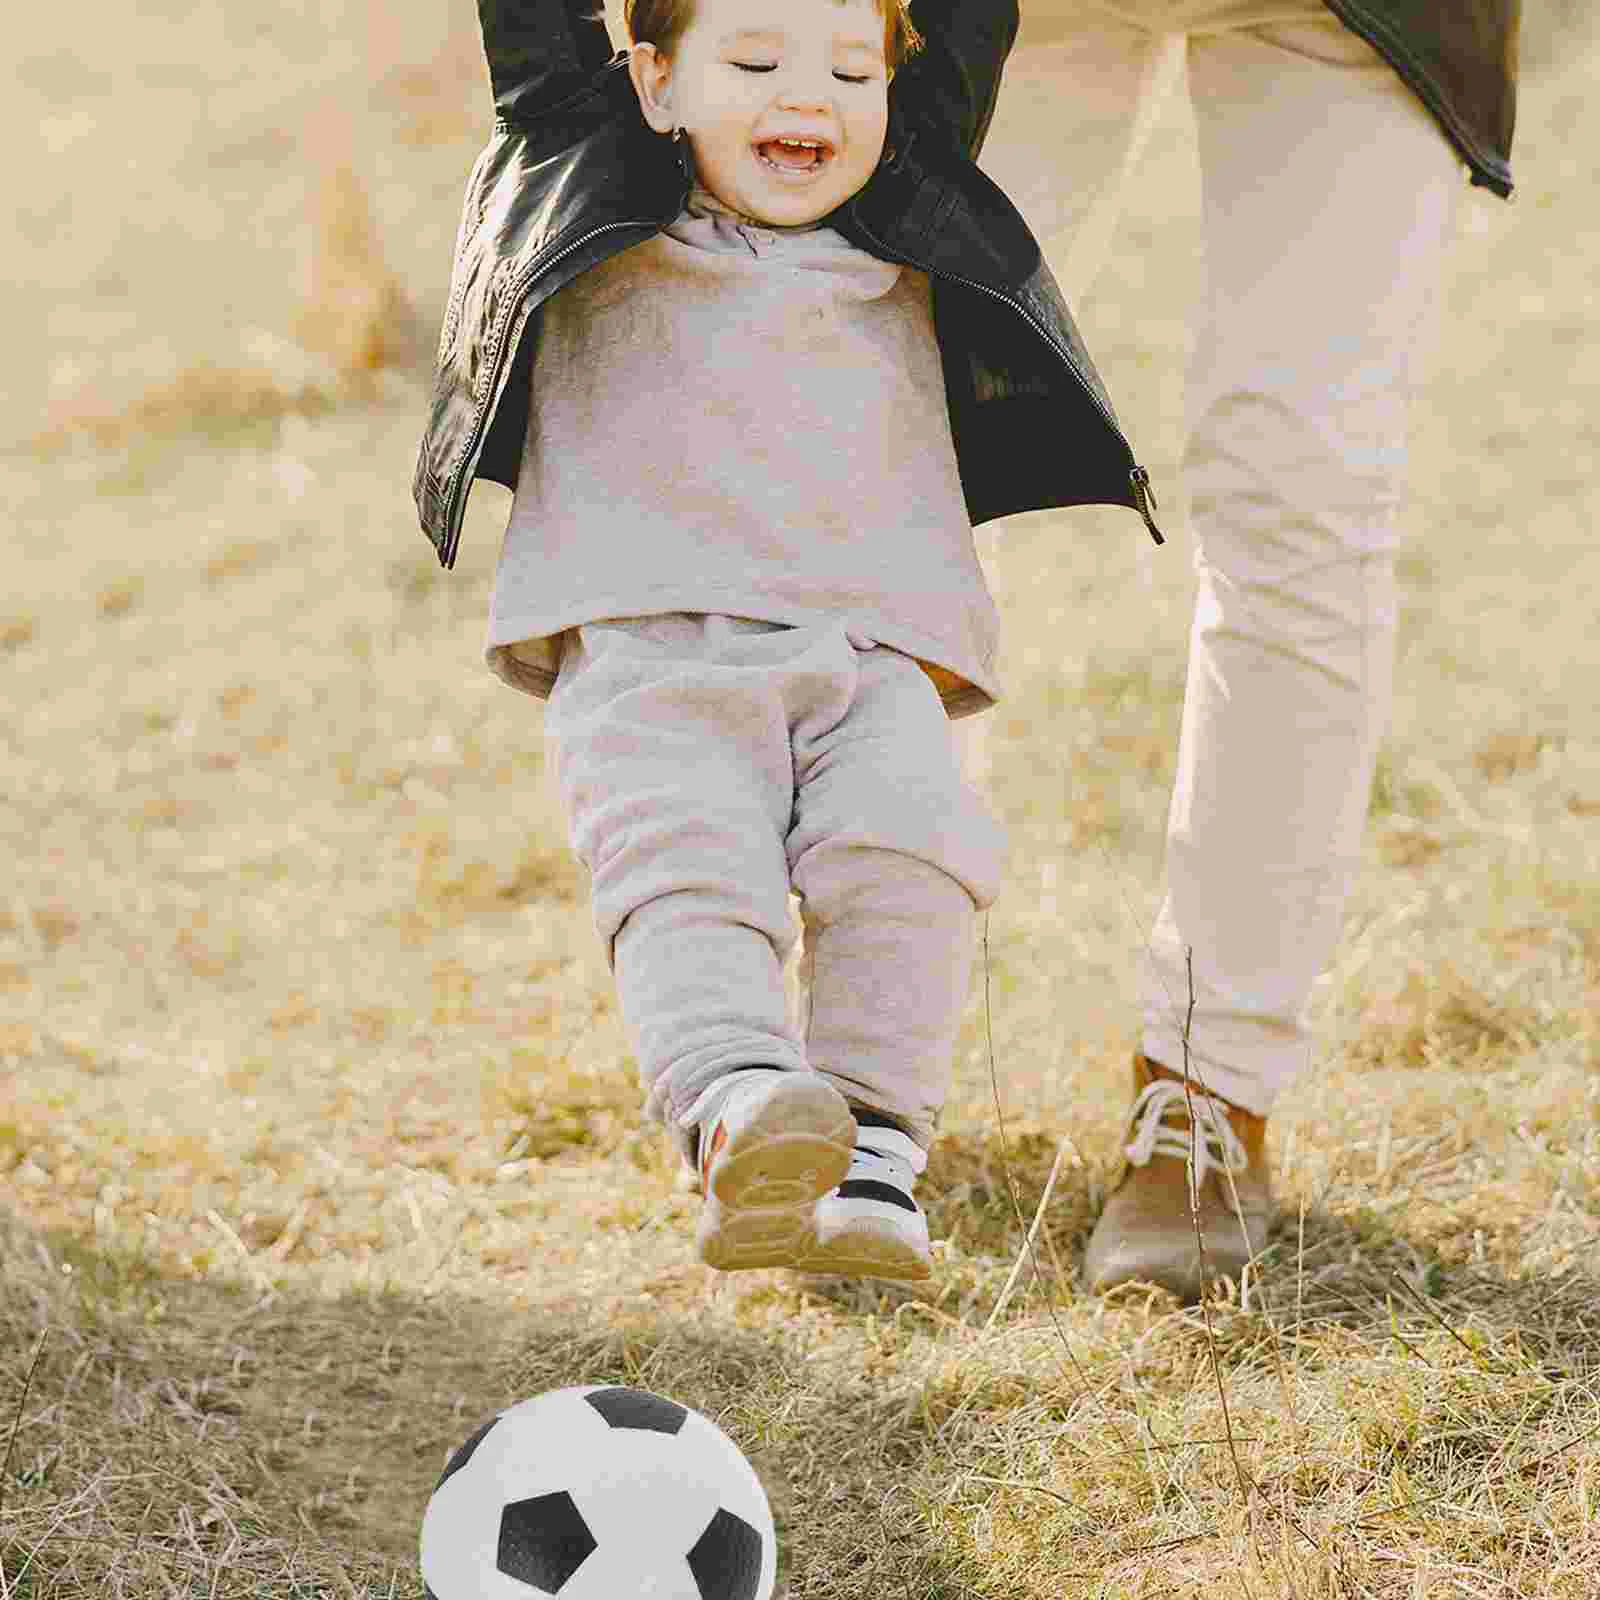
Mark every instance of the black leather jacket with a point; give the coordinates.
(573, 175)
(1459, 57)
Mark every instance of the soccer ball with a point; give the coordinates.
(598, 1493)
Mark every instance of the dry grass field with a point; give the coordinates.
(318, 1139)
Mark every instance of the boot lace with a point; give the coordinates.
(1214, 1147)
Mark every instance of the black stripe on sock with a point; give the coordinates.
(871, 1189)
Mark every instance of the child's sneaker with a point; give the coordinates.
(767, 1145)
(871, 1226)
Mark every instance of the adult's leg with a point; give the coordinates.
(1328, 201)
(1081, 94)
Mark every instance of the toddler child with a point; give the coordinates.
(756, 345)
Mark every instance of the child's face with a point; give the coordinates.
(785, 103)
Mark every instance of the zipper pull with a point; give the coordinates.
(1144, 498)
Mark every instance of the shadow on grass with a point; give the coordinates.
(1348, 1269)
(261, 1443)
(1357, 1272)
(233, 1442)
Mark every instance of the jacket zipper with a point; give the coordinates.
(1143, 492)
(1144, 499)
(469, 458)
(1138, 478)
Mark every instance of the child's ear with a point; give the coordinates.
(651, 73)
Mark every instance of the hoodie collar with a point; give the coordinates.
(702, 203)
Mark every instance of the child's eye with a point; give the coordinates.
(846, 77)
(755, 66)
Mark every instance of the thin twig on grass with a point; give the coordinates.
(1246, 1483)
(1300, 1271)
(1560, 1449)
(1429, 1311)
(1362, 1311)
(1027, 1245)
(1163, 1544)
(1018, 1483)
(1150, 1447)
(16, 1421)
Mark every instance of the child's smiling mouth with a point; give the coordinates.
(799, 156)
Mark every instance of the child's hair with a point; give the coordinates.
(660, 22)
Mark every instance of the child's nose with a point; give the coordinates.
(803, 92)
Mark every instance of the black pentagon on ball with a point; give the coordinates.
(726, 1559)
(543, 1541)
(638, 1408)
(464, 1452)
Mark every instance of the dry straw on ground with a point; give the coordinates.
(317, 1139)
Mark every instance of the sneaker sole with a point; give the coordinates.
(768, 1179)
(870, 1242)
(865, 1253)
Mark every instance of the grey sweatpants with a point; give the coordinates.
(709, 765)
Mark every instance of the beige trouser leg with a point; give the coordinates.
(1096, 91)
(1328, 199)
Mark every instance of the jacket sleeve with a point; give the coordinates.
(541, 51)
(950, 85)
